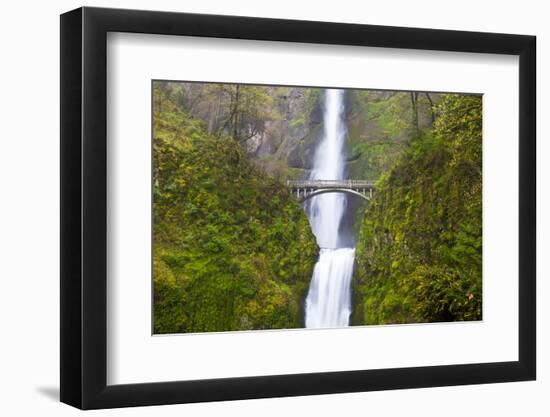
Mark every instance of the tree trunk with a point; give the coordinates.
(236, 113)
(432, 109)
(414, 103)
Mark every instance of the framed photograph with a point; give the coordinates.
(257, 208)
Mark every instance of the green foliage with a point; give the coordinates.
(419, 256)
(232, 249)
(381, 125)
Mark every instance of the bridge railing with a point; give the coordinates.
(330, 183)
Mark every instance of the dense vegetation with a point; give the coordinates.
(419, 251)
(232, 249)
(381, 125)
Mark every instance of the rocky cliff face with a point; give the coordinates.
(285, 149)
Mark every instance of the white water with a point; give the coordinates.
(328, 302)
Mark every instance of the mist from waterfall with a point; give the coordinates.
(328, 302)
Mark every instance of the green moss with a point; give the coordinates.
(232, 249)
(419, 251)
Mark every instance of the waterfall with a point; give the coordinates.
(328, 302)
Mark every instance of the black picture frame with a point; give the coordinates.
(84, 207)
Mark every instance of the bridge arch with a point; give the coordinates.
(303, 190)
(334, 190)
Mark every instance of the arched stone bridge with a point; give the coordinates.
(305, 189)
